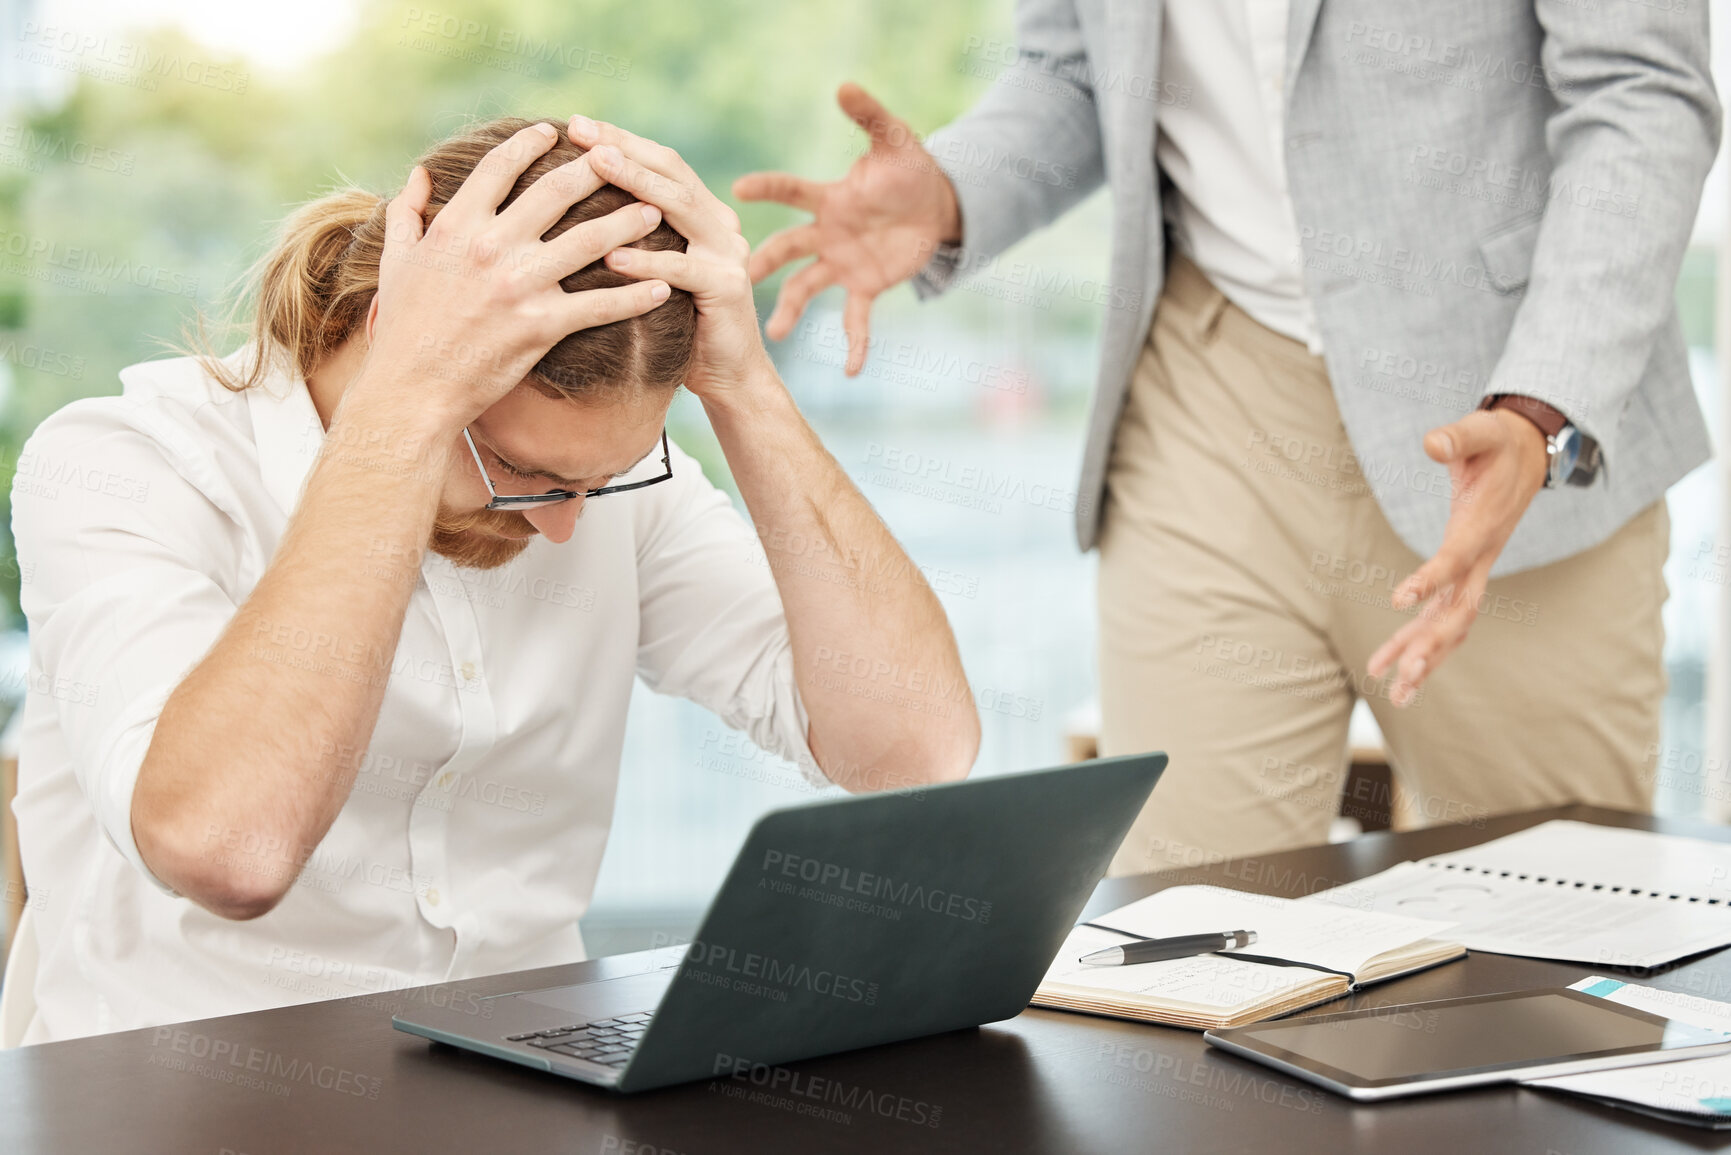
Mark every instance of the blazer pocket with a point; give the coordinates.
(1507, 252)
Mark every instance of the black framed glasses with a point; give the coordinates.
(555, 496)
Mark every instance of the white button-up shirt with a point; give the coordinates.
(471, 840)
(1224, 152)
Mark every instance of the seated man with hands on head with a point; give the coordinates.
(355, 666)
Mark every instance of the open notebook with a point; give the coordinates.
(1573, 891)
(1306, 953)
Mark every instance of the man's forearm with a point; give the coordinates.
(259, 744)
(875, 660)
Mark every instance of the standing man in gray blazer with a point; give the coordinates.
(1390, 354)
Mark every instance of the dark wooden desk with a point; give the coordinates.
(334, 1076)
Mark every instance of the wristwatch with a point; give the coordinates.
(1571, 456)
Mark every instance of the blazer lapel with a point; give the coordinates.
(1300, 22)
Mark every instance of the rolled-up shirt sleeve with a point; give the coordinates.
(713, 629)
(122, 558)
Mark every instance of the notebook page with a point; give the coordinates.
(1699, 1086)
(1608, 856)
(1215, 982)
(1322, 934)
(1542, 920)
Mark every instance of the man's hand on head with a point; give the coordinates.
(1497, 463)
(728, 358)
(473, 300)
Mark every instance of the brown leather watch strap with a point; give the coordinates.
(1549, 420)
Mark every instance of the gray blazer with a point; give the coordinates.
(1493, 196)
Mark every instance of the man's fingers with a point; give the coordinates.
(588, 241)
(405, 215)
(681, 270)
(696, 219)
(1441, 633)
(883, 126)
(1407, 658)
(856, 318)
(650, 154)
(1420, 646)
(595, 307)
(656, 157)
(781, 187)
(1386, 653)
(780, 248)
(548, 199)
(490, 180)
(1462, 548)
(1471, 435)
(796, 293)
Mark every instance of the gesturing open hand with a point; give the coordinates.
(870, 230)
(1496, 461)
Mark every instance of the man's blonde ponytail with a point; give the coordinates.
(312, 288)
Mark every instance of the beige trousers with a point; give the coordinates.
(1245, 577)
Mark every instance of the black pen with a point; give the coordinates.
(1158, 949)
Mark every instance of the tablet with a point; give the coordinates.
(1389, 1052)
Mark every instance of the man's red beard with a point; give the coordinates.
(469, 540)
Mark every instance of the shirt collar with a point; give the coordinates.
(288, 433)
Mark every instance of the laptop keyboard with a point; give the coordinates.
(605, 1041)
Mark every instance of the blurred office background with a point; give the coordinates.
(147, 147)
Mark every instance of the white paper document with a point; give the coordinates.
(1613, 857)
(1692, 1087)
(1569, 891)
(1343, 940)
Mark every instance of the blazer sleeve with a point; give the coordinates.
(1029, 150)
(1635, 130)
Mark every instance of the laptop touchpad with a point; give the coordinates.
(604, 999)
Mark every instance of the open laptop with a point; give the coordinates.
(843, 923)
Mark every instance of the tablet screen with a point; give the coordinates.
(1470, 1034)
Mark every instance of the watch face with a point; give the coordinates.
(1565, 454)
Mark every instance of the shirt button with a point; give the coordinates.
(445, 778)
(468, 671)
(432, 896)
